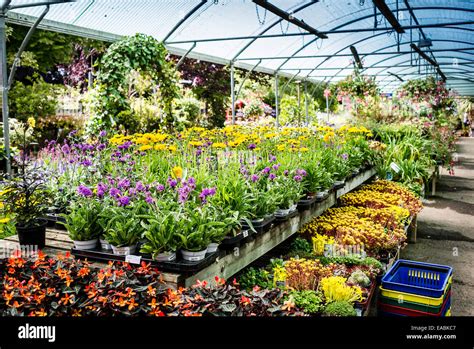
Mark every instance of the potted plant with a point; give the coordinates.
(103, 222)
(224, 222)
(263, 196)
(289, 191)
(123, 231)
(263, 203)
(25, 196)
(82, 224)
(192, 230)
(161, 240)
(340, 168)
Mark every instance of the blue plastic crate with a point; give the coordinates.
(418, 278)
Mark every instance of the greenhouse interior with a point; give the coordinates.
(237, 158)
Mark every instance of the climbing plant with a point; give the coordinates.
(140, 53)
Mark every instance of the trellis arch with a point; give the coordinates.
(142, 53)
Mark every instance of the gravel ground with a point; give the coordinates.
(446, 229)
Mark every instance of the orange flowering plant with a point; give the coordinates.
(64, 286)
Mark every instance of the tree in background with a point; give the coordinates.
(209, 83)
(50, 62)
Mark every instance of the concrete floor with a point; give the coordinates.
(446, 229)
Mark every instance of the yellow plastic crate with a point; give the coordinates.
(416, 298)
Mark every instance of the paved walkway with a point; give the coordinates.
(446, 229)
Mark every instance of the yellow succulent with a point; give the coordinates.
(335, 289)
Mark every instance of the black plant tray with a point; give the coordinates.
(320, 199)
(305, 204)
(353, 174)
(230, 242)
(288, 216)
(260, 227)
(339, 186)
(366, 303)
(53, 221)
(178, 266)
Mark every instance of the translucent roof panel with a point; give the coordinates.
(240, 31)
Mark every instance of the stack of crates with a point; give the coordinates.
(413, 288)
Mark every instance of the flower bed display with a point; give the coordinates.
(64, 286)
(372, 218)
(178, 196)
(173, 199)
(333, 286)
(326, 272)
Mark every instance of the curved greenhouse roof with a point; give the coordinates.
(316, 44)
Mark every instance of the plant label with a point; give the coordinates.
(245, 233)
(133, 259)
(395, 167)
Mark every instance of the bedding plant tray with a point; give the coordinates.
(177, 266)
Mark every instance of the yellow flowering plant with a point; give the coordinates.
(409, 199)
(305, 274)
(335, 289)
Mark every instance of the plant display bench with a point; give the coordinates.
(411, 229)
(435, 175)
(228, 262)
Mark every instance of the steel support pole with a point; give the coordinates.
(276, 101)
(327, 107)
(181, 60)
(299, 104)
(246, 77)
(4, 80)
(232, 91)
(24, 44)
(306, 102)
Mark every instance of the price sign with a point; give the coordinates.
(133, 259)
(395, 167)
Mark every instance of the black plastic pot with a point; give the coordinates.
(306, 203)
(229, 242)
(286, 217)
(339, 185)
(33, 236)
(259, 226)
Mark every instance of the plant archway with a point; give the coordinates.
(143, 54)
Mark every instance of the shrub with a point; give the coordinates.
(256, 277)
(308, 300)
(340, 308)
(37, 99)
(57, 127)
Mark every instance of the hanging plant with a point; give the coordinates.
(429, 91)
(357, 85)
(140, 53)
